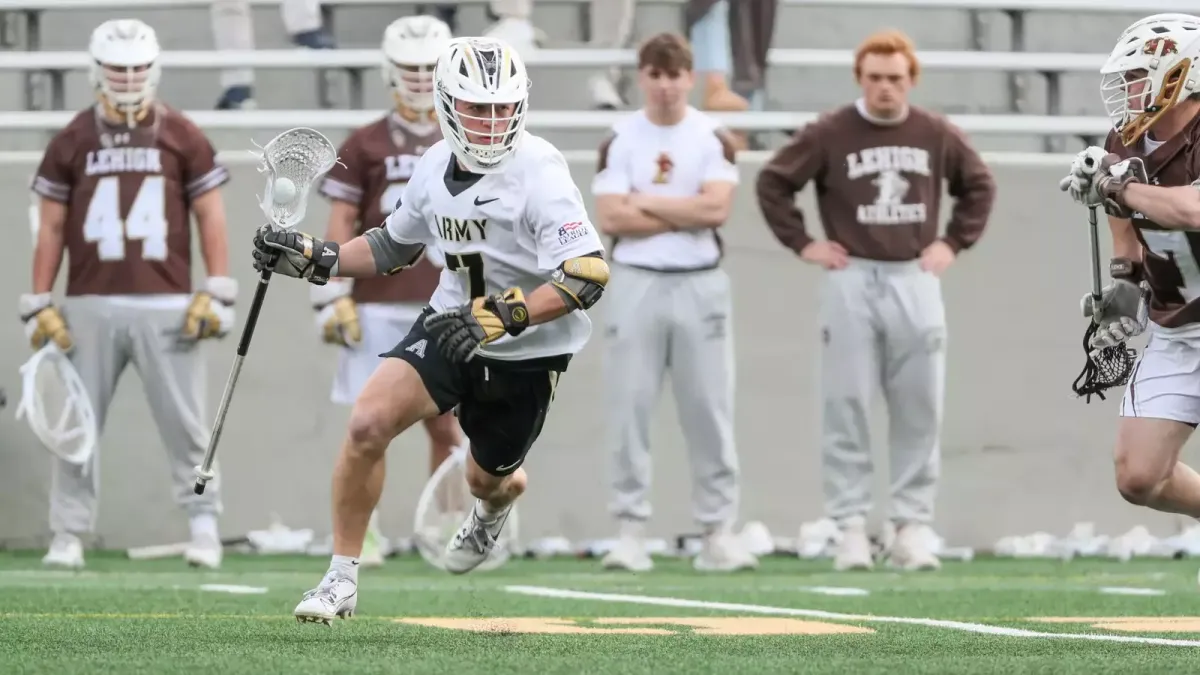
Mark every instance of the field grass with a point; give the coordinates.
(790, 616)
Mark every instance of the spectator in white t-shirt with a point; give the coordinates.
(663, 188)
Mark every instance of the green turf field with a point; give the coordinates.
(988, 616)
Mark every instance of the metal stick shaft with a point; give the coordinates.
(204, 472)
(1095, 236)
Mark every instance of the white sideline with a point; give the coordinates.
(544, 592)
(755, 157)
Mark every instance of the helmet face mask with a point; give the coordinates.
(1149, 72)
(125, 71)
(411, 46)
(482, 95)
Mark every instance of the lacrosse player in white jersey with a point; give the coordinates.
(664, 186)
(523, 263)
(367, 317)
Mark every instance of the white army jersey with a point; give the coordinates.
(501, 230)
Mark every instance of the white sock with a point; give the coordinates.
(484, 511)
(345, 564)
(204, 526)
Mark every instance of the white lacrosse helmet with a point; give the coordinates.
(482, 71)
(411, 47)
(125, 70)
(1149, 71)
(51, 390)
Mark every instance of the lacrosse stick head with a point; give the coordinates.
(55, 404)
(1105, 368)
(301, 156)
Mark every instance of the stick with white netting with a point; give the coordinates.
(293, 161)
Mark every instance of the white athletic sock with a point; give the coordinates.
(484, 512)
(203, 526)
(346, 565)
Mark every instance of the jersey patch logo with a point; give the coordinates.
(481, 202)
(418, 348)
(572, 231)
(665, 165)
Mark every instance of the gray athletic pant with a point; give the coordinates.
(679, 323)
(882, 324)
(110, 334)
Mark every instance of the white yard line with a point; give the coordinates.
(541, 591)
(1131, 590)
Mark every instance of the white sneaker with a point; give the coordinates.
(473, 542)
(65, 551)
(854, 551)
(724, 552)
(204, 551)
(913, 550)
(629, 554)
(336, 597)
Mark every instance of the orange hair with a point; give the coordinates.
(886, 43)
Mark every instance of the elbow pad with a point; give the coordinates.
(581, 281)
(390, 255)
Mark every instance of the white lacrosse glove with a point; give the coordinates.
(210, 314)
(44, 323)
(1080, 182)
(337, 314)
(1122, 313)
(1098, 178)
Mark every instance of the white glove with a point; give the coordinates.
(1122, 313)
(1081, 181)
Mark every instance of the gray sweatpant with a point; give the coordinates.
(111, 333)
(679, 323)
(883, 324)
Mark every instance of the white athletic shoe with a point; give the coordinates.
(854, 551)
(724, 552)
(65, 551)
(336, 597)
(473, 542)
(913, 550)
(629, 554)
(204, 551)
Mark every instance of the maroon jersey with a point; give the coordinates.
(376, 162)
(1171, 258)
(879, 187)
(128, 194)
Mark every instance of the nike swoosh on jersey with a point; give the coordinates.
(479, 202)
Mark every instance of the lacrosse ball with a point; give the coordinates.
(284, 190)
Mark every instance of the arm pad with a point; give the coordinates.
(390, 255)
(1124, 268)
(581, 281)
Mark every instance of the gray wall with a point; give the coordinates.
(1021, 453)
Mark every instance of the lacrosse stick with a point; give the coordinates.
(1109, 367)
(293, 161)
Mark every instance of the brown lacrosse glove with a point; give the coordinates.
(1113, 177)
(44, 323)
(337, 314)
(210, 313)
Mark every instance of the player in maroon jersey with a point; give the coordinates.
(369, 316)
(117, 189)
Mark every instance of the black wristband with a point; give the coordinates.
(1124, 268)
(325, 262)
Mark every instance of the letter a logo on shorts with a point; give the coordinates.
(418, 348)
